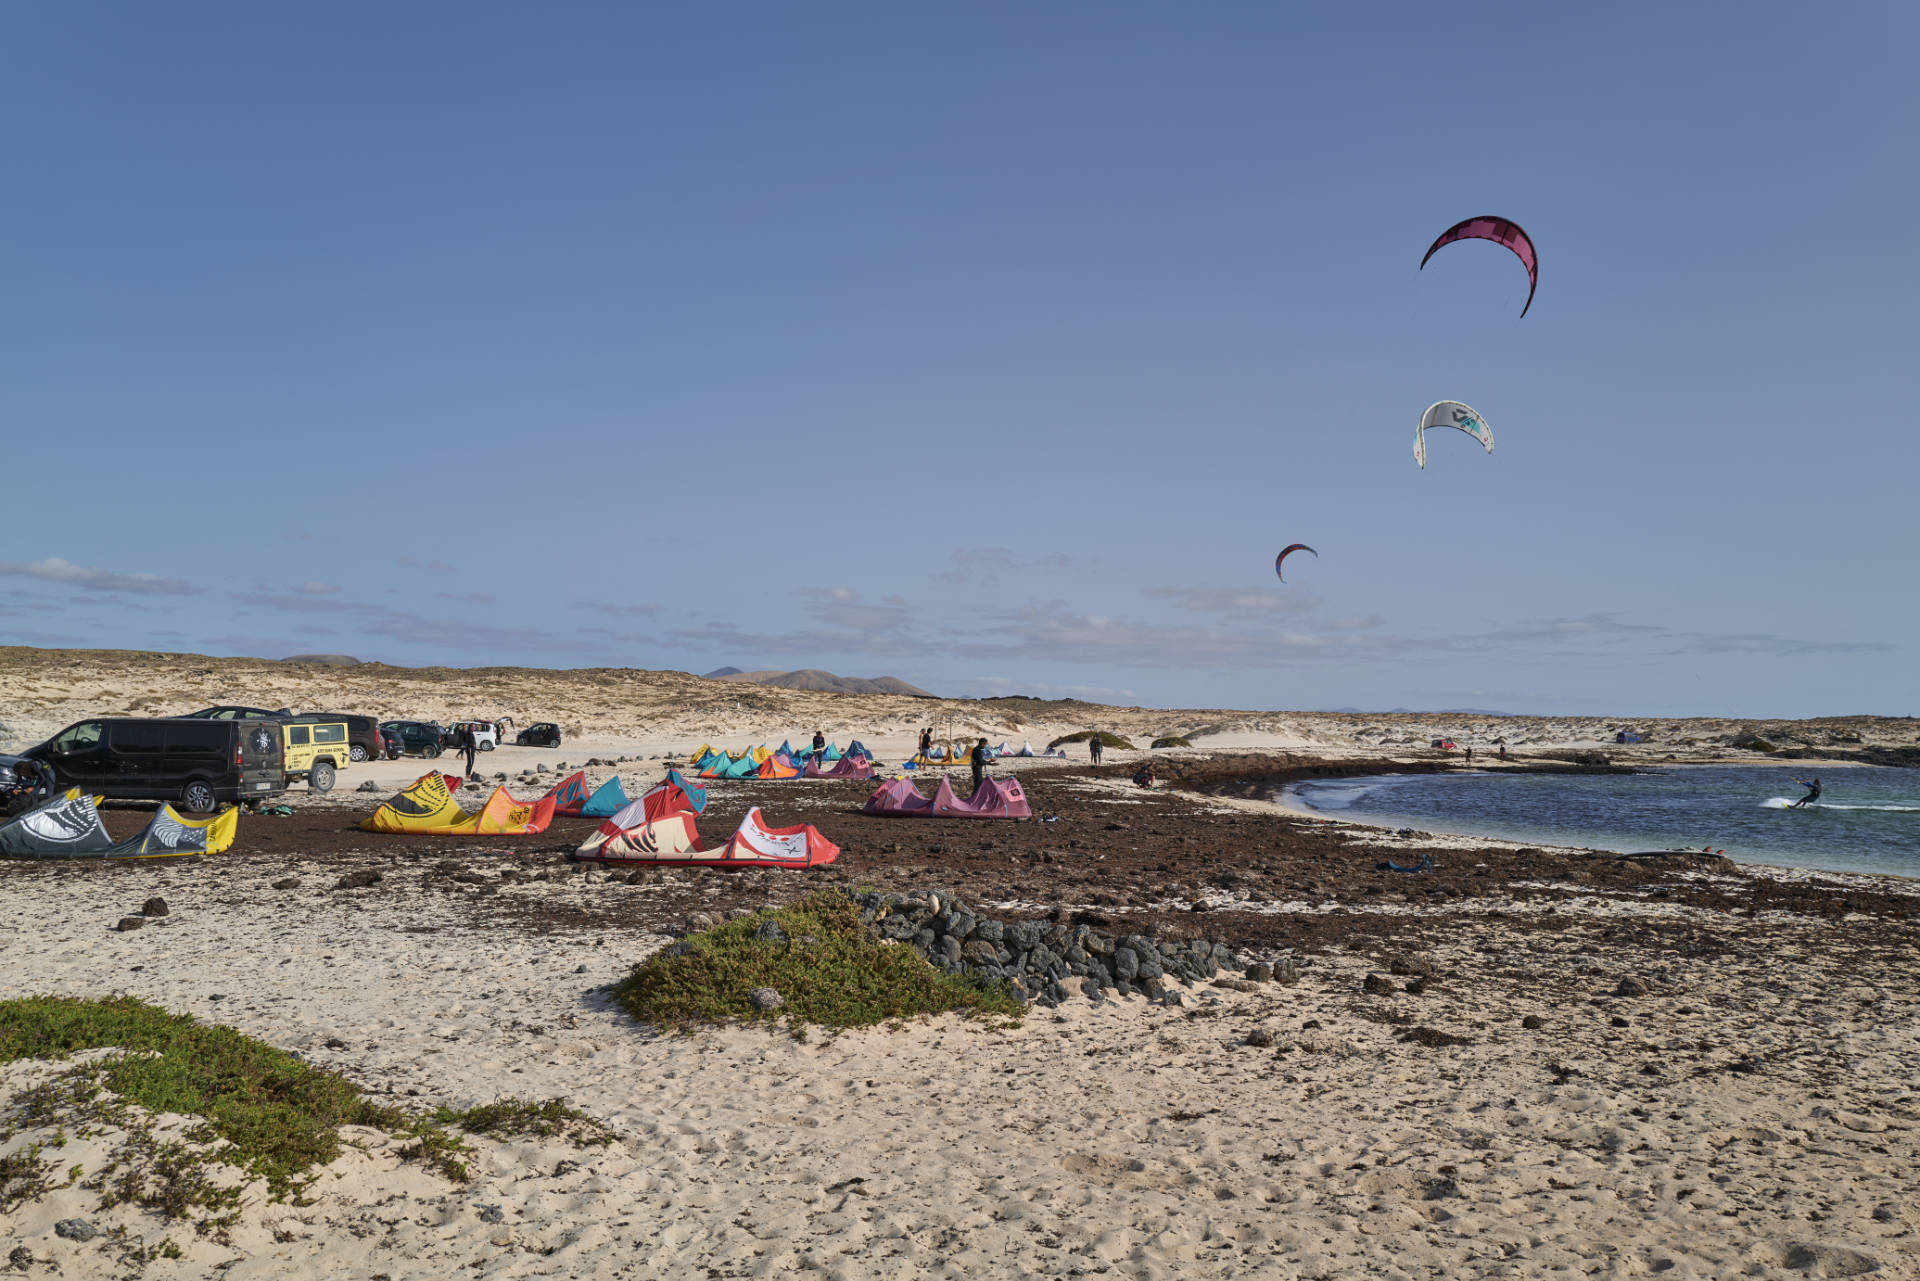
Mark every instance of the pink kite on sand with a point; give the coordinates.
(899, 796)
(1501, 231)
(995, 798)
(845, 767)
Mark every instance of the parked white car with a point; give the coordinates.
(485, 736)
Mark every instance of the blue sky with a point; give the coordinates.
(996, 347)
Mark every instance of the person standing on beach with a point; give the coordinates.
(1093, 747)
(469, 743)
(979, 763)
(926, 742)
(1469, 753)
(1813, 792)
(819, 746)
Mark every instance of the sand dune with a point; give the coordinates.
(618, 709)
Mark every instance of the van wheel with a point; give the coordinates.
(356, 753)
(486, 747)
(197, 797)
(321, 778)
(434, 750)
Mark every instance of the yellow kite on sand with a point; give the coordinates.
(428, 808)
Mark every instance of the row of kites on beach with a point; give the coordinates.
(1452, 413)
(855, 762)
(656, 827)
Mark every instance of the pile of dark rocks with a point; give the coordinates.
(1038, 957)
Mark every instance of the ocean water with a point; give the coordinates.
(1868, 819)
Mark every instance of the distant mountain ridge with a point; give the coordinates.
(812, 678)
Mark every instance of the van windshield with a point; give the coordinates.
(78, 739)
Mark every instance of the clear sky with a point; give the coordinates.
(995, 347)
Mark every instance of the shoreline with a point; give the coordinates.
(1388, 824)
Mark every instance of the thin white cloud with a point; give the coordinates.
(314, 587)
(54, 569)
(1209, 599)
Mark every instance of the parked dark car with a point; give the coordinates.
(228, 712)
(390, 745)
(543, 734)
(363, 732)
(201, 763)
(417, 738)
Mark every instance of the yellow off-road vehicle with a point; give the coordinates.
(316, 751)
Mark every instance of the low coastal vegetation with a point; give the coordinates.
(1172, 740)
(813, 961)
(1081, 736)
(258, 1109)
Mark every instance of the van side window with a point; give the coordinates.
(138, 738)
(81, 738)
(329, 733)
(201, 738)
(297, 735)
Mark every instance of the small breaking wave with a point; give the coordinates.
(1787, 803)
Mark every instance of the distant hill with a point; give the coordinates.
(324, 660)
(812, 678)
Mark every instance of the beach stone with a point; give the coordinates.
(155, 906)
(699, 921)
(1260, 1037)
(128, 923)
(1419, 965)
(368, 786)
(1286, 971)
(1619, 1020)
(1822, 1260)
(75, 1230)
(287, 883)
(1630, 986)
(358, 880)
(1415, 986)
(769, 931)
(1126, 963)
(765, 999)
(20, 1259)
(1533, 1022)
(979, 952)
(491, 1214)
(1377, 985)
(1259, 974)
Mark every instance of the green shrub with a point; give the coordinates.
(828, 970)
(1171, 740)
(263, 1110)
(1106, 740)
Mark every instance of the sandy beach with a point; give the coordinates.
(1604, 1066)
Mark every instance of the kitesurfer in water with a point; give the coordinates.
(1813, 792)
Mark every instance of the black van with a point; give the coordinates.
(201, 764)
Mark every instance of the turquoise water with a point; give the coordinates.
(1868, 820)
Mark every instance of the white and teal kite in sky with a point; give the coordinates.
(1450, 413)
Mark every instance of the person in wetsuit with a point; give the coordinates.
(1813, 792)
